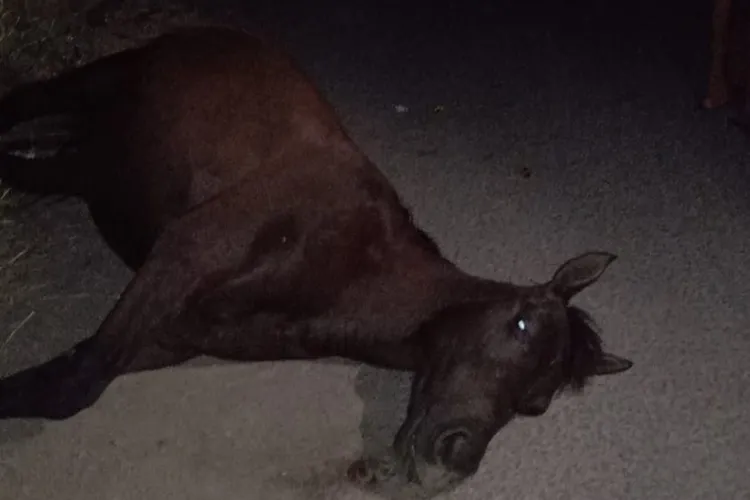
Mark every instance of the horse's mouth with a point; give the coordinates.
(402, 468)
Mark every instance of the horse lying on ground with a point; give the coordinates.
(258, 230)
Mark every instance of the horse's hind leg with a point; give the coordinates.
(74, 92)
(36, 99)
(40, 176)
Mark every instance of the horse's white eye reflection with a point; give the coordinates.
(521, 325)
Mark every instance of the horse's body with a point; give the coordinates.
(258, 230)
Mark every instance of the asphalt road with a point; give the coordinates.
(559, 129)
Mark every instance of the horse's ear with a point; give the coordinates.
(579, 272)
(610, 364)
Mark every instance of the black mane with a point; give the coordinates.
(584, 350)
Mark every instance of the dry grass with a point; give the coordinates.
(39, 38)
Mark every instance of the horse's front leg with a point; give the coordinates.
(130, 338)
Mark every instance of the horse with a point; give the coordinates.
(257, 230)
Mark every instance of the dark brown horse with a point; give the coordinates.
(258, 230)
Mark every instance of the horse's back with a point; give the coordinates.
(208, 107)
(192, 114)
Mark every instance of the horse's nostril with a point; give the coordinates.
(449, 446)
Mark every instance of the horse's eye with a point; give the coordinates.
(521, 327)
